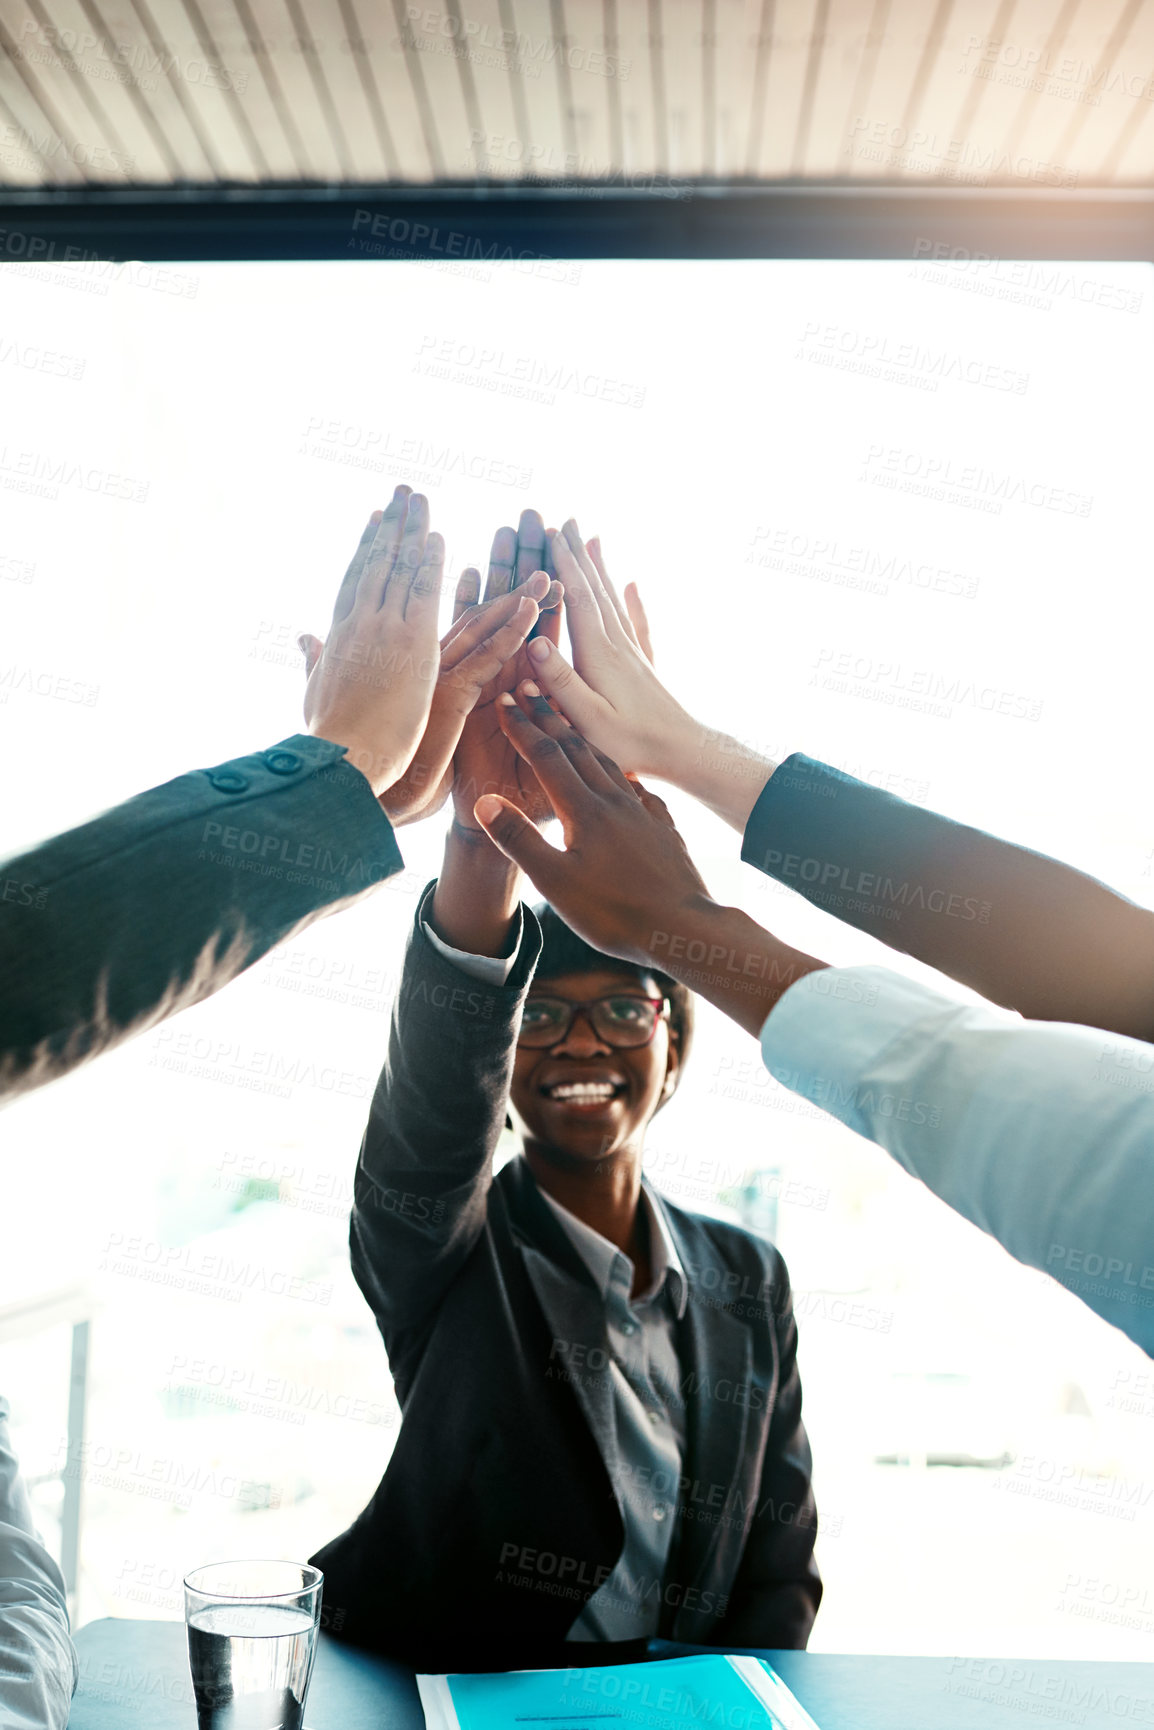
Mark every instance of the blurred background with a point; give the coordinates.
(891, 514)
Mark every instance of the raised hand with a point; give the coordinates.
(625, 871)
(625, 880)
(371, 686)
(610, 692)
(485, 761)
(612, 695)
(483, 638)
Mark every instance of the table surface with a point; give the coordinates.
(134, 1676)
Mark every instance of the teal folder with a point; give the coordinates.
(711, 1692)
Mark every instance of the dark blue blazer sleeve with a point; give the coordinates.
(111, 927)
(426, 1166)
(1022, 929)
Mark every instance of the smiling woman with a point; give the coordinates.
(568, 1252)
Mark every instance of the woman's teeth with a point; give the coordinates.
(583, 1092)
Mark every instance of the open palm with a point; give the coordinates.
(484, 761)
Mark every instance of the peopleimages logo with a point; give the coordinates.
(424, 240)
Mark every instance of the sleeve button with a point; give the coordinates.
(229, 781)
(282, 762)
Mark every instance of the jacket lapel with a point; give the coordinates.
(716, 1353)
(572, 1305)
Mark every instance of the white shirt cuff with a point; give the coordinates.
(490, 969)
(829, 1030)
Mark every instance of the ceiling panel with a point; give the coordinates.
(61, 120)
(490, 135)
(610, 93)
(793, 53)
(1129, 155)
(1062, 88)
(845, 48)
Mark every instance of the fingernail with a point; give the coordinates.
(507, 700)
(530, 689)
(539, 650)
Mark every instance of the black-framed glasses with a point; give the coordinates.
(621, 1020)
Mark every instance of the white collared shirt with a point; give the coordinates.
(649, 1413)
(38, 1666)
(1039, 1132)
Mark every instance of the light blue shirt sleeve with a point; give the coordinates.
(1039, 1132)
(490, 969)
(38, 1668)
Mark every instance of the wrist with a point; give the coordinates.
(672, 745)
(720, 772)
(472, 846)
(729, 959)
(379, 771)
(475, 902)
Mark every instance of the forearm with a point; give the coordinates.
(1020, 928)
(715, 769)
(436, 1118)
(164, 899)
(728, 958)
(1039, 1133)
(475, 903)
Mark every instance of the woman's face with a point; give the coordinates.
(626, 1086)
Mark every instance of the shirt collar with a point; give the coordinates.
(601, 1257)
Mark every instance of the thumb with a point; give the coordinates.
(312, 648)
(577, 702)
(517, 838)
(639, 619)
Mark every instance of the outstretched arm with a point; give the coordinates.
(1042, 1134)
(1018, 927)
(110, 928)
(625, 881)
(440, 1103)
(1024, 930)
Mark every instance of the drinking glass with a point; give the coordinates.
(252, 1633)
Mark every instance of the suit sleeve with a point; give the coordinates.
(1022, 929)
(110, 928)
(38, 1668)
(425, 1168)
(777, 1590)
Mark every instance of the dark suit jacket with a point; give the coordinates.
(496, 1518)
(108, 929)
(1022, 929)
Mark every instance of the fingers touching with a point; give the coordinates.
(530, 546)
(516, 555)
(468, 593)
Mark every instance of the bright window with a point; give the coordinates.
(894, 515)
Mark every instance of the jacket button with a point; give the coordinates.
(282, 762)
(229, 781)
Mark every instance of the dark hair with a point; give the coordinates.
(562, 951)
